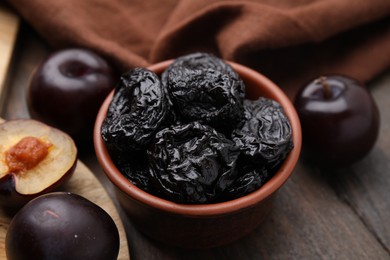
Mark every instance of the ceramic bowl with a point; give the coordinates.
(209, 225)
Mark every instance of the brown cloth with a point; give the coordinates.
(290, 41)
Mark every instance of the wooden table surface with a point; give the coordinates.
(318, 214)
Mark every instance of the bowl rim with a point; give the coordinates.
(204, 210)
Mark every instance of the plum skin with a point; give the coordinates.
(62, 225)
(67, 90)
(10, 198)
(340, 125)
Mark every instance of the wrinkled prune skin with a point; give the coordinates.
(193, 163)
(200, 61)
(247, 182)
(135, 167)
(137, 110)
(203, 87)
(265, 139)
(265, 136)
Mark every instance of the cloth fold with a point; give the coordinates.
(289, 41)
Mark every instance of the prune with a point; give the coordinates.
(135, 167)
(193, 163)
(199, 61)
(265, 136)
(138, 108)
(247, 182)
(205, 88)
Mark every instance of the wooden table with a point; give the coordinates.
(318, 214)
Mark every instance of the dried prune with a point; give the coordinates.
(199, 61)
(193, 163)
(135, 167)
(265, 136)
(247, 182)
(205, 88)
(138, 108)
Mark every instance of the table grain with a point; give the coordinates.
(318, 214)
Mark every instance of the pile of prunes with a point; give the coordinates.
(191, 136)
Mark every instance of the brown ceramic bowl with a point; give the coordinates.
(210, 225)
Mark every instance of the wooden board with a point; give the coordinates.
(84, 183)
(9, 26)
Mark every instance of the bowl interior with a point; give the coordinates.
(256, 85)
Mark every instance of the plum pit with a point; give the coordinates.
(26, 154)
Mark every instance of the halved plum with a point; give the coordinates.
(34, 159)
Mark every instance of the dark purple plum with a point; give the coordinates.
(67, 90)
(339, 118)
(59, 226)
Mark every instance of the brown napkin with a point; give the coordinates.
(289, 41)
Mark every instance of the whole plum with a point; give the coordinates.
(59, 226)
(67, 90)
(340, 120)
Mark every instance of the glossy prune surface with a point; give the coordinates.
(264, 139)
(250, 179)
(193, 163)
(138, 108)
(265, 136)
(135, 167)
(203, 87)
(199, 61)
